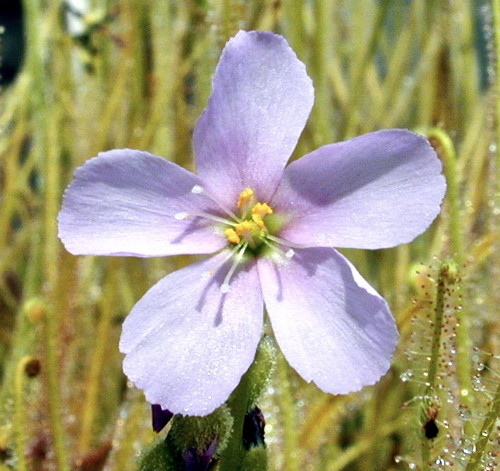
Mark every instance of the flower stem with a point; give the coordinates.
(46, 151)
(232, 456)
(364, 444)
(98, 361)
(430, 399)
(446, 151)
(484, 436)
(288, 408)
(19, 415)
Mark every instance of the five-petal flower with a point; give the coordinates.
(272, 229)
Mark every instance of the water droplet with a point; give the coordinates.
(442, 462)
(467, 447)
(406, 376)
(464, 412)
(477, 384)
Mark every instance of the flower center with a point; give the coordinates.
(250, 227)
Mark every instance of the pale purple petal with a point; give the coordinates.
(332, 327)
(187, 344)
(125, 202)
(261, 99)
(374, 191)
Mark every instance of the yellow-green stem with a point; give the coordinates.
(289, 419)
(447, 152)
(98, 361)
(475, 462)
(20, 419)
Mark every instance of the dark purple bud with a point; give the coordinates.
(196, 461)
(160, 417)
(253, 429)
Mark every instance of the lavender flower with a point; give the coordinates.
(191, 337)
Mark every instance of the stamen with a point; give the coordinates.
(225, 287)
(246, 196)
(245, 229)
(259, 212)
(232, 236)
(286, 243)
(200, 214)
(288, 254)
(198, 190)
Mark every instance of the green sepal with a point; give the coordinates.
(261, 370)
(255, 460)
(200, 432)
(159, 456)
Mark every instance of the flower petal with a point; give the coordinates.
(124, 202)
(187, 344)
(332, 327)
(260, 102)
(377, 190)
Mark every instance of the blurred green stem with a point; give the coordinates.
(46, 151)
(288, 415)
(20, 419)
(99, 359)
(476, 460)
(430, 400)
(496, 25)
(364, 444)
(232, 456)
(447, 153)
(360, 62)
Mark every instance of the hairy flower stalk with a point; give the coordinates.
(270, 229)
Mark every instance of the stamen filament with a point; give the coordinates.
(288, 254)
(198, 190)
(225, 287)
(184, 215)
(286, 243)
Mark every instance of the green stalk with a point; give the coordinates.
(429, 398)
(496, 26)
(47, 153)
(475, 462)
(448, 155)
(20, 418)
(232, 456)
(321, 114)
(446, 151)
(366, 443)
(98, 362)
(360, 63)
(289, 418)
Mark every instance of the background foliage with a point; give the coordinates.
(103, 74)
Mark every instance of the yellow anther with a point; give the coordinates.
(246, 196)
(232, 236)
(245, 229)
(259, 212)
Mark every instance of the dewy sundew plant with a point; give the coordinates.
(271, 228)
